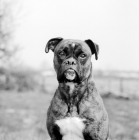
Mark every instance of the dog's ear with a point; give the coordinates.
(94, 47)
(52, 43)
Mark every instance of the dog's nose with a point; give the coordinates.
(70, 61)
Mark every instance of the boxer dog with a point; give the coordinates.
(76, 111)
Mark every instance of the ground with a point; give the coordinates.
(23, 116)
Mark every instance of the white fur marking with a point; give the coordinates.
(73, 44)
(71, 128)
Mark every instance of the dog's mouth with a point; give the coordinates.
(70, 75)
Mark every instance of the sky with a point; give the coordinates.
(112, 24)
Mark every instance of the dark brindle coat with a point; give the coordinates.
(80, 97)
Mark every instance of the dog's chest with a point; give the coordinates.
(70, 88)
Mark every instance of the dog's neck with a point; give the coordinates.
(70, 90)
(71, 87)
(72, 93)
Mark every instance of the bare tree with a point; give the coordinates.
(7, 49)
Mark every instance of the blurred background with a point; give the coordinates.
(28, 80)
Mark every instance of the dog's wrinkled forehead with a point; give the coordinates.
(73, 45)
(88, 45)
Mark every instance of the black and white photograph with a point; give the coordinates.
(69, 70)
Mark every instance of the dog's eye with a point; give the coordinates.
(62, 53)
(82, 55)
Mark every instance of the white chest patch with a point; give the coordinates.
(71, 128)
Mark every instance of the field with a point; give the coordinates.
(23, 116)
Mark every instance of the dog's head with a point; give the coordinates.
(72, 58)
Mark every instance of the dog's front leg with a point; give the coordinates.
(57, 110)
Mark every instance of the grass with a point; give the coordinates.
(124, 120)
(23, 116)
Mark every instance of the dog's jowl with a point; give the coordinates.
(76, 111)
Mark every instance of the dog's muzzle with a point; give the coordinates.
(69, 71)
(70, 74)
